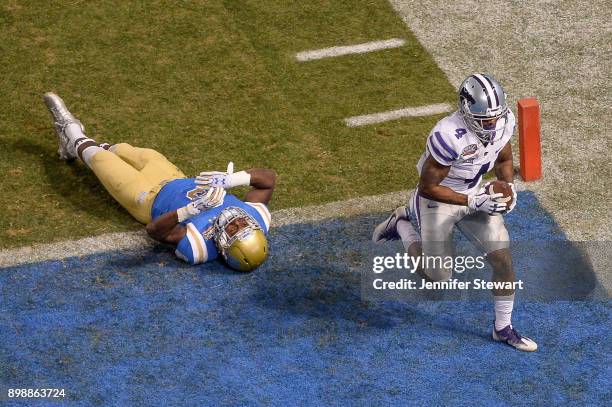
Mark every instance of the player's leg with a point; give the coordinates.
(153, 165)
(489, 234)
(436, 221)
(387, 229)
(124, 183)
(399, 226)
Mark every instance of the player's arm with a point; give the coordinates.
(261, 181)
(504, 166)
(504, 170)
(262, 184)
(432, 175)
(167, 229)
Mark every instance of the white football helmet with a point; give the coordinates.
(482, 98)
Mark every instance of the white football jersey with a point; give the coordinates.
(450, 143)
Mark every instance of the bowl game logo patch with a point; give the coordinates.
(469, 150)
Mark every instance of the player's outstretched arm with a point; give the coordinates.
(262, 184)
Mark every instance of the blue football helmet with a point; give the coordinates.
(482, 98)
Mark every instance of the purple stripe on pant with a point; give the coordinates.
(418, 208)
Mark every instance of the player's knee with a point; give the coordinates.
(149, 155)
(120, 146)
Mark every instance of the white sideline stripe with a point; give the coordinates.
(349, 49)
(381, 117)
(139, 239)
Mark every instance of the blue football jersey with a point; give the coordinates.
(198, 245)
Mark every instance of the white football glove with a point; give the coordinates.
(514, 196)
(481, 201)
(212, 198)
(225, 180)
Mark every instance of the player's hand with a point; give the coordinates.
(514, 196)
(213, 197)
(216, 178)
(481, 201)
(225, 180)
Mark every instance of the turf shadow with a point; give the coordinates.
(77, 186)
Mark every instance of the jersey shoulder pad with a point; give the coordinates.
(263, 212)
(192, 247)
(445, 141)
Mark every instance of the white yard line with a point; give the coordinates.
(381, 117)
(349, 49)
(139, 240)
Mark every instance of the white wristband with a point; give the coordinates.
(185, 213)
(238, 179)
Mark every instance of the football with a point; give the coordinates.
(497, 187)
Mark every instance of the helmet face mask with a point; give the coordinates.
(482, 99)
(247, 247)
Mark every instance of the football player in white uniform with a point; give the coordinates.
(460, 149)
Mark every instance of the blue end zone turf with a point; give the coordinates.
(145, 329)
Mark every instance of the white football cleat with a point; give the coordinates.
(513, 338)
(387, 230)
(62, 118)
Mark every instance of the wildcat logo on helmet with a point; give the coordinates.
(466, 94)
(482, 100)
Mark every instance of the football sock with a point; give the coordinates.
(503, 311)
(87, 153)
(407, 233)
(86, 148)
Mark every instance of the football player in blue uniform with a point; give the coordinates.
(195, 215)
(460, 149)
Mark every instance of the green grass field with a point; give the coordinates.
(205, 82)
